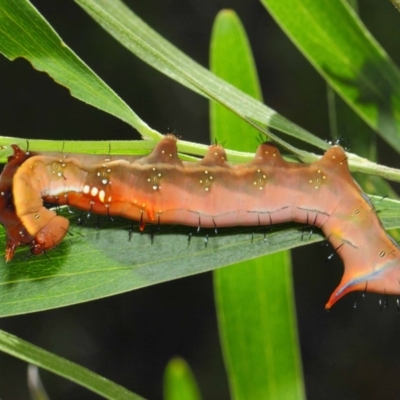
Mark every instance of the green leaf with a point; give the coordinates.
(179, 382)
(257, 320)
(92, 264)
(25, 351)
(342, 50)
(144, 42)
(25, 33)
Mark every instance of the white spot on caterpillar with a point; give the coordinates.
(98, 174)
(86, 189)
(155, 187)
(104, 181)
(59, 174)
(109, 199)
(102, 195)
(94, 191)
(2, 193)
(206, 189)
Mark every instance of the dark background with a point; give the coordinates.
(347, 353)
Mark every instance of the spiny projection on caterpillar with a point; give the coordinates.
(160, 188)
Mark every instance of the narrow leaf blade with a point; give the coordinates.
(179, 381)
(25, 33)
(257, 321)
(26, 351)
(336, 42)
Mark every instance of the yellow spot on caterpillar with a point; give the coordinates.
(86, 189)
(102, 195)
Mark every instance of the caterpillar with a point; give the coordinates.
(160, 188)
